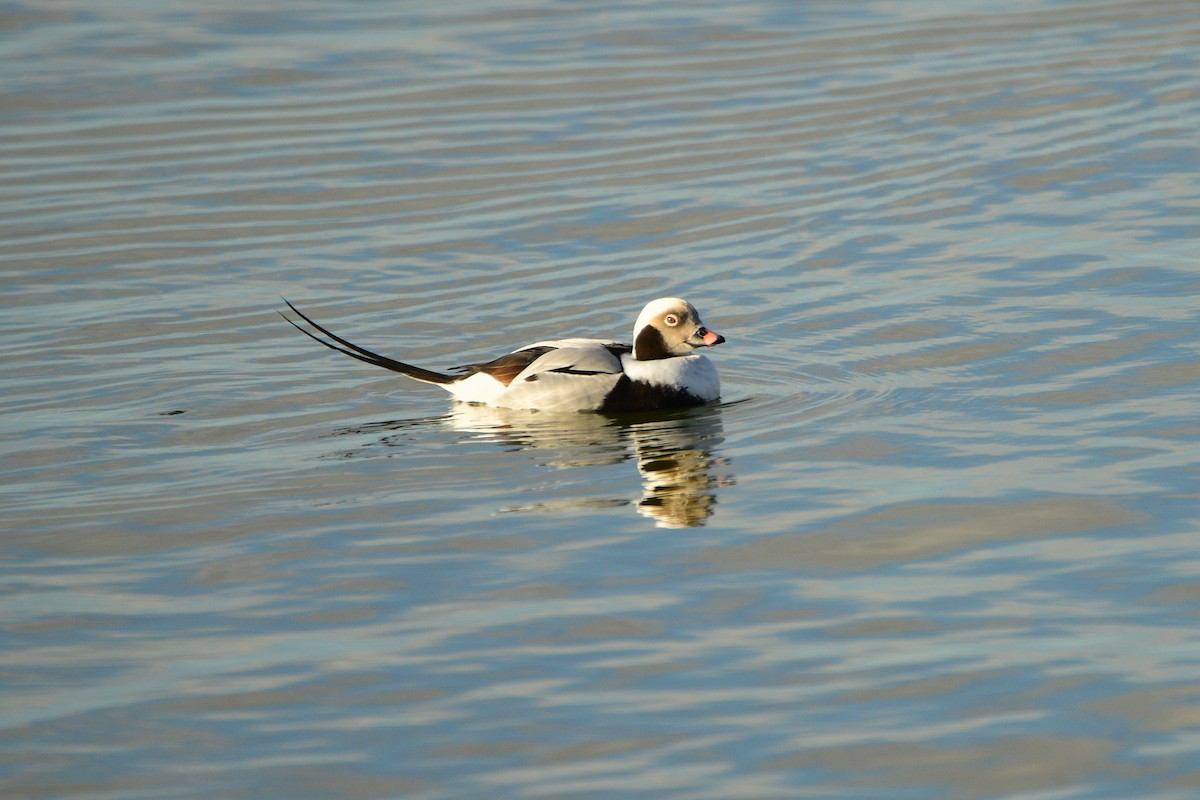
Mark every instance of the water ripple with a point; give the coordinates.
(936, 540)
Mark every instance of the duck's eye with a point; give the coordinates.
(671, 320)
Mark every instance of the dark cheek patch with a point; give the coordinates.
(650, 345)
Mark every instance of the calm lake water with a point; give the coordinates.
(940, 539)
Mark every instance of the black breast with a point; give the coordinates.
(630, 395)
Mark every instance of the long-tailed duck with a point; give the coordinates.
(659, 371)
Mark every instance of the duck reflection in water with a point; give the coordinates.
(673, 451)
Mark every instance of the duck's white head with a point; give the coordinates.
(669, 327)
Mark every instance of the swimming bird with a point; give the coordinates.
(660, 370)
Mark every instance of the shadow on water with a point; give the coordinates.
(675, 451)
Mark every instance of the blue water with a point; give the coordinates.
(939, 539)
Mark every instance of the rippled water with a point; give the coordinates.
(940, 539)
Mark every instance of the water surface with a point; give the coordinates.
(939, 539)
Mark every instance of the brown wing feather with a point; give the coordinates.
(509, 366)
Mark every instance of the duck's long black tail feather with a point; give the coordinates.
(363, 354)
